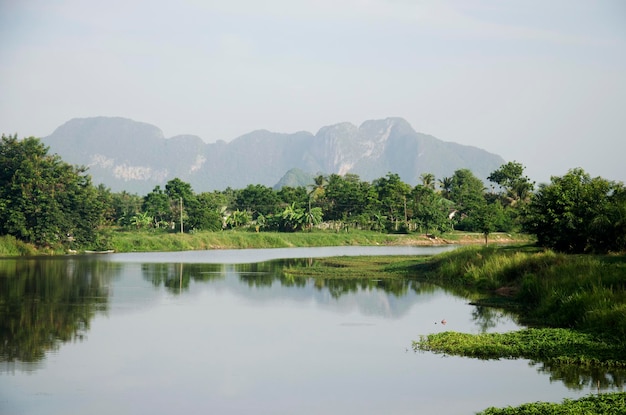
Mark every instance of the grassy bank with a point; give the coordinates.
(160, 241)
(129, 241)
(582, 292)
(126, 241)
(578, 301)
(606, 404)
(9, 246)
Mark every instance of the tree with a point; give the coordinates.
(207, 215)
(44, 200)
(467, 193)
(392, 195)
(318, 187)
(182, 201)
(298, 195)
(446, 185)
(429, 209)
(510, 177)
(347, 197)
(428, 180)
(258, 200)
(157, 205)
(575, 213)
(125, 206)
(486, 218)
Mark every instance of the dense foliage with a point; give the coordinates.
(43, 200)
(576, 213)
(49, 203)
(605, 404)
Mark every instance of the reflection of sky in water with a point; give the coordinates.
(224, 346)
(245, 256)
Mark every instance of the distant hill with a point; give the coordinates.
(128, 155)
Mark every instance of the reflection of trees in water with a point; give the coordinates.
(488, 317)
(176, 276)
(45, 302)
(581, 377)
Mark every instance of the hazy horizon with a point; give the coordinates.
(542, 83)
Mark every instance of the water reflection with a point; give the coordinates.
(45, 302)
(581, 378)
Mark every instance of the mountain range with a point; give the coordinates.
(133, 156)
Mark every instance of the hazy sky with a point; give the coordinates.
(540, 82)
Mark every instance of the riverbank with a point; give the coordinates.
(153, 241)
(575, 305)
(156, 241)
(582, 292)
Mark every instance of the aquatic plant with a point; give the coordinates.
(603, 404)
(544, 344)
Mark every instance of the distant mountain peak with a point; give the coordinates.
(127, 155)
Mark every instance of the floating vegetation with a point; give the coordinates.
(546, 344)
(603, 404)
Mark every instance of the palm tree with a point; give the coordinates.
(446, 186)
(428, 180)
(318, 187)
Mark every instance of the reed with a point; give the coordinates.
(584, 292)
(10, 246)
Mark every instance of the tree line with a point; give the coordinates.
(48, 202)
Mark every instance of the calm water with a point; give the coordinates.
(228, 332)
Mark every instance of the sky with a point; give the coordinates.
(539, 82)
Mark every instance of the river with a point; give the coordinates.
(227, 332)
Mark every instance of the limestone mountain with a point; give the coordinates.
(128, 155)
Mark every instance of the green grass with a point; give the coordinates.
(550, 345)
(578, 300)
(10, 246)
(584, 292)
(145, 241)
(605, 404)
(158, 241)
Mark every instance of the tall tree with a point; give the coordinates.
(157, 205)
(44, 200)
(258, 200)
(446, 185)
(392, 196)
(467, 192)
(577, 213)
(429, 209)
(428, 180)
(510, 177)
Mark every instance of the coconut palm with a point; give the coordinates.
(446, 186)
(428, 180)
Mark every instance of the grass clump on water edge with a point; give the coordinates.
(604, 404)
(11, 246)
(551, 345)
(582, 292)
